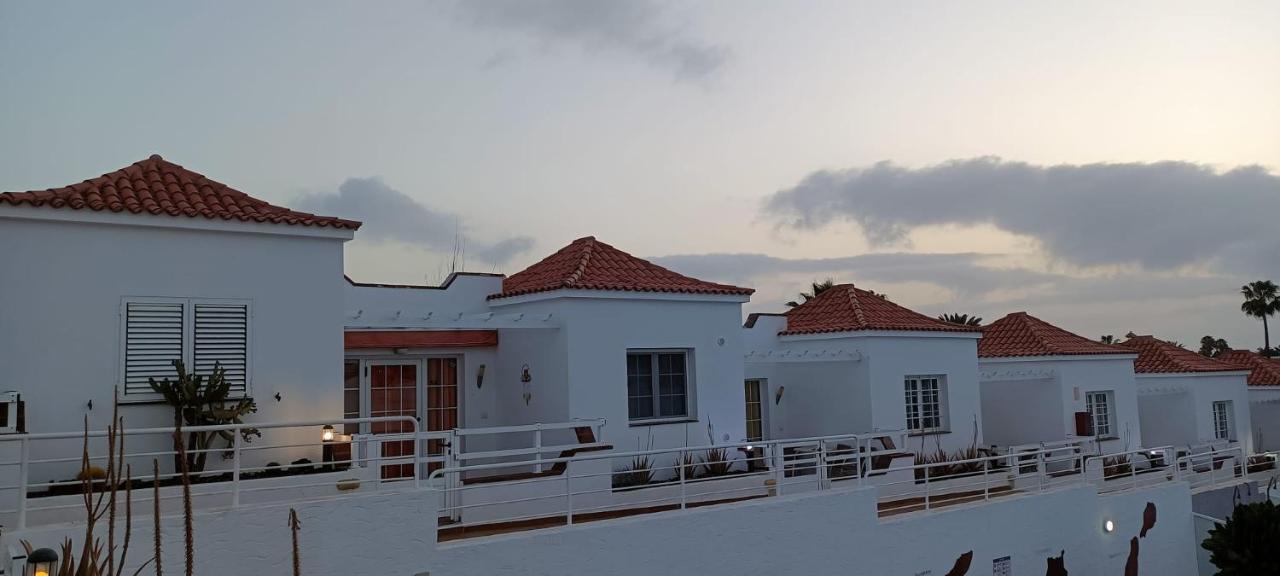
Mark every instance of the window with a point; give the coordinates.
(1098, 404)
(351, 395)
(200, 333)
(657, 384)
(925, 403)
(1222, 420)
(755, 410)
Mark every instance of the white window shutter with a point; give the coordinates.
(153, 340)
(222, 337)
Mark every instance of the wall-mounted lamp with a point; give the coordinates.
(326, 433)
(777, 396)
(480, 377)
(1108, 526)
(526, 381)
(42, 562)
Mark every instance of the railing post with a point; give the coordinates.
(568, 493)
(235, 469)
(1133, 470)
(822, 465)
(986, 486)
(24, 472)
(926, 486)
(1042, 470)
(779, 468)
(537, 445)
(680, 467)
(1244, 465)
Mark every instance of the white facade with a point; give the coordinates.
(1264, 416)
(1178, 409)
(67, 274)
(853, 382)
(1033, 399)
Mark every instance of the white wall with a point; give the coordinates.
(1021, 411)
(60, 303)
(892, 359)
(597, 330)
(1264, 415)
(1072, 378)
(838, 533)
(394, 532)
(1167, 419)
(1203, 389)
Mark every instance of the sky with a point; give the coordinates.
(1106, 166)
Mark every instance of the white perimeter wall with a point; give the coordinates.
(60, 332)
(392, 533)
(1201, 391)
(838, 533)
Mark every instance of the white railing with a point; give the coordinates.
(242, 472)
(538, 447)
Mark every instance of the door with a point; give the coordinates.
(756, 428)
(393, 391)
(442, 405)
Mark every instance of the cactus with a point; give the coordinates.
(198, 400)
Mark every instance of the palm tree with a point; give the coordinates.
(961, 319)
(1212, 347)
(1261, 299)
(1108, 339)
(818, 288)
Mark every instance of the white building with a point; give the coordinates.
(109, 280)
(1264, 395)
(590, 332)
(850, 361)
(1042, 384)
(1187, 400)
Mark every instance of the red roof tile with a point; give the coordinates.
(358, 339)
(1264, 371)
(844, 308)
(1156, 356)
(589, 264)
(1021, 334)
(157, 186)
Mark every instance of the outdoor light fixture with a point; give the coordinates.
(326, 433)
(1108, 526)
(42, 562)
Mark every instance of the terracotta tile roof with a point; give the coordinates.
(157, 186)
(589, 264)
(1264, 371)
(1156, 356)
(844, 308)
(1021, 334)
(358, 339)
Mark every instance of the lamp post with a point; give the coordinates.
(326, 433)
(42, 562)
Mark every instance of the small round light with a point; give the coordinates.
(1108, 526)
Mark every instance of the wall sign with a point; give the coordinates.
(1002, 566)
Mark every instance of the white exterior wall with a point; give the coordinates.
(598, 328)
(1199, 391)
(838, 532)
(1042, 406)
(1264, 415)
(60, 313)
(853, 382)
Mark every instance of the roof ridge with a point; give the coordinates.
(858, 313)
(583, 262)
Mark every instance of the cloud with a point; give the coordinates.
(1159, 216)
(390, 215)
(634, 27)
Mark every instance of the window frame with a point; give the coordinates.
(1225, 425)
(188, 342)
(941, 404)
(1109, 414)
(690, 411)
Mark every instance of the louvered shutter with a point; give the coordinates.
(221, 337)
(153, 340)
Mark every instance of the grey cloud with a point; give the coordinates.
(1160, 216)
(961, 272)
(391, 215)
(634, 27)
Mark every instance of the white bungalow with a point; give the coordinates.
(588, 333)
(1264, 395)
(850, 361)
(1187, 400)
(106, 282)
(1042, 385)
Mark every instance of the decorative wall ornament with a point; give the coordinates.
(1018, 374)
(480, 377)
(961, 567)
(1057, 565)
(526, 384)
